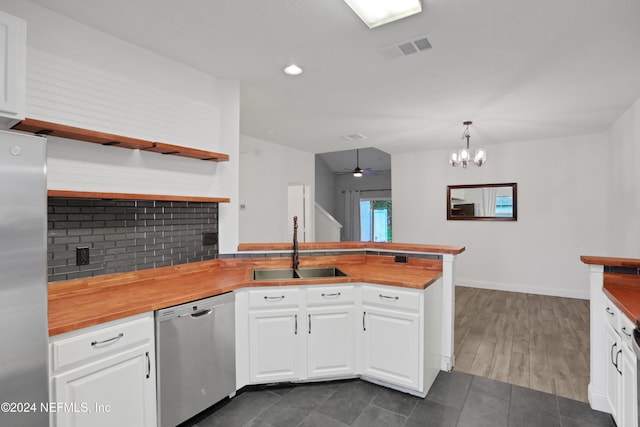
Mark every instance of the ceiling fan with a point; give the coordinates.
(358, 171)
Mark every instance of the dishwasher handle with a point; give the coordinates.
(202, 313)
(197, 314)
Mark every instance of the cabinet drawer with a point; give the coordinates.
(274, 297)
(96, 342)
(392, 297)
(626, 330)
(330, 295)
(613, 315)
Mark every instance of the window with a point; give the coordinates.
(375, 220)
(504, 206)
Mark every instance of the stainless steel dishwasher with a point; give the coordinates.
(196, 364)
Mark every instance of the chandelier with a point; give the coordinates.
(463, 156)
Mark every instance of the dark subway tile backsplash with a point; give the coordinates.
(126, 235)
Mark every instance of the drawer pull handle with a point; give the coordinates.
(624, 331)
(335, 294)
(388, 297)
(148, 364)
(110, 340)
(609, 312)
(281, 297)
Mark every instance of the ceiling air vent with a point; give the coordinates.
(406, 48)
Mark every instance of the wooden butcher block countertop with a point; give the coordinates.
(80, 303)
(622, 289)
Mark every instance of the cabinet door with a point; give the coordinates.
(330, 341)
(12, 66)
(628, 416)
(115, 391)
(391, 346)
(613, 375)
(274, 345)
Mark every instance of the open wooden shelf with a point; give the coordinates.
(63, 131)
(131, 196)
(40, 127)
(162, 148)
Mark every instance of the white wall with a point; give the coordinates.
(623, 221)
(62, 46)
(325, 186)
(266, 170)
(561, 213)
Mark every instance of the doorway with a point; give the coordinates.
(299, 204)
(375, 220)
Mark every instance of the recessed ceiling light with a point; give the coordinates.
(354, 137)
(293, 70)
(380, 12)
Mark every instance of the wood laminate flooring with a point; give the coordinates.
(535, 341)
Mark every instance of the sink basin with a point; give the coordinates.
(301, 273)
(274, 274)
(310, 273)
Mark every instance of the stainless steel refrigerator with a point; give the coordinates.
(23, 280)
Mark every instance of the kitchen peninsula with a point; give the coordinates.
(614, 316)
(388, 319)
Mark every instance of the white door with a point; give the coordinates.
(330, 341)
(629, 391)
(115, 391)
(391, 346)
(274, 337)
(299, 204)
(613, 376)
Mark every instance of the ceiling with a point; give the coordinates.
(367, 158)
(521, 70)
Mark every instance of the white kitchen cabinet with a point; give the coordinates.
(104, 375)
(13, 54)
(330, 328)
(275, 335)
(274, 342)
(621, 372)
(384, 334)
(613, 375)
(628, 388)
(401, 336)
(391, 346)
(391, 336)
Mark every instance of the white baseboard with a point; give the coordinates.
(538, 290)
(598, 401)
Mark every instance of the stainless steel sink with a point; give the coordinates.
(275, 274)
(310, 273)
(301, 273)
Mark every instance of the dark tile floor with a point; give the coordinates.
(455, 399)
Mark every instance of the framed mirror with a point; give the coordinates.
(483, 202)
